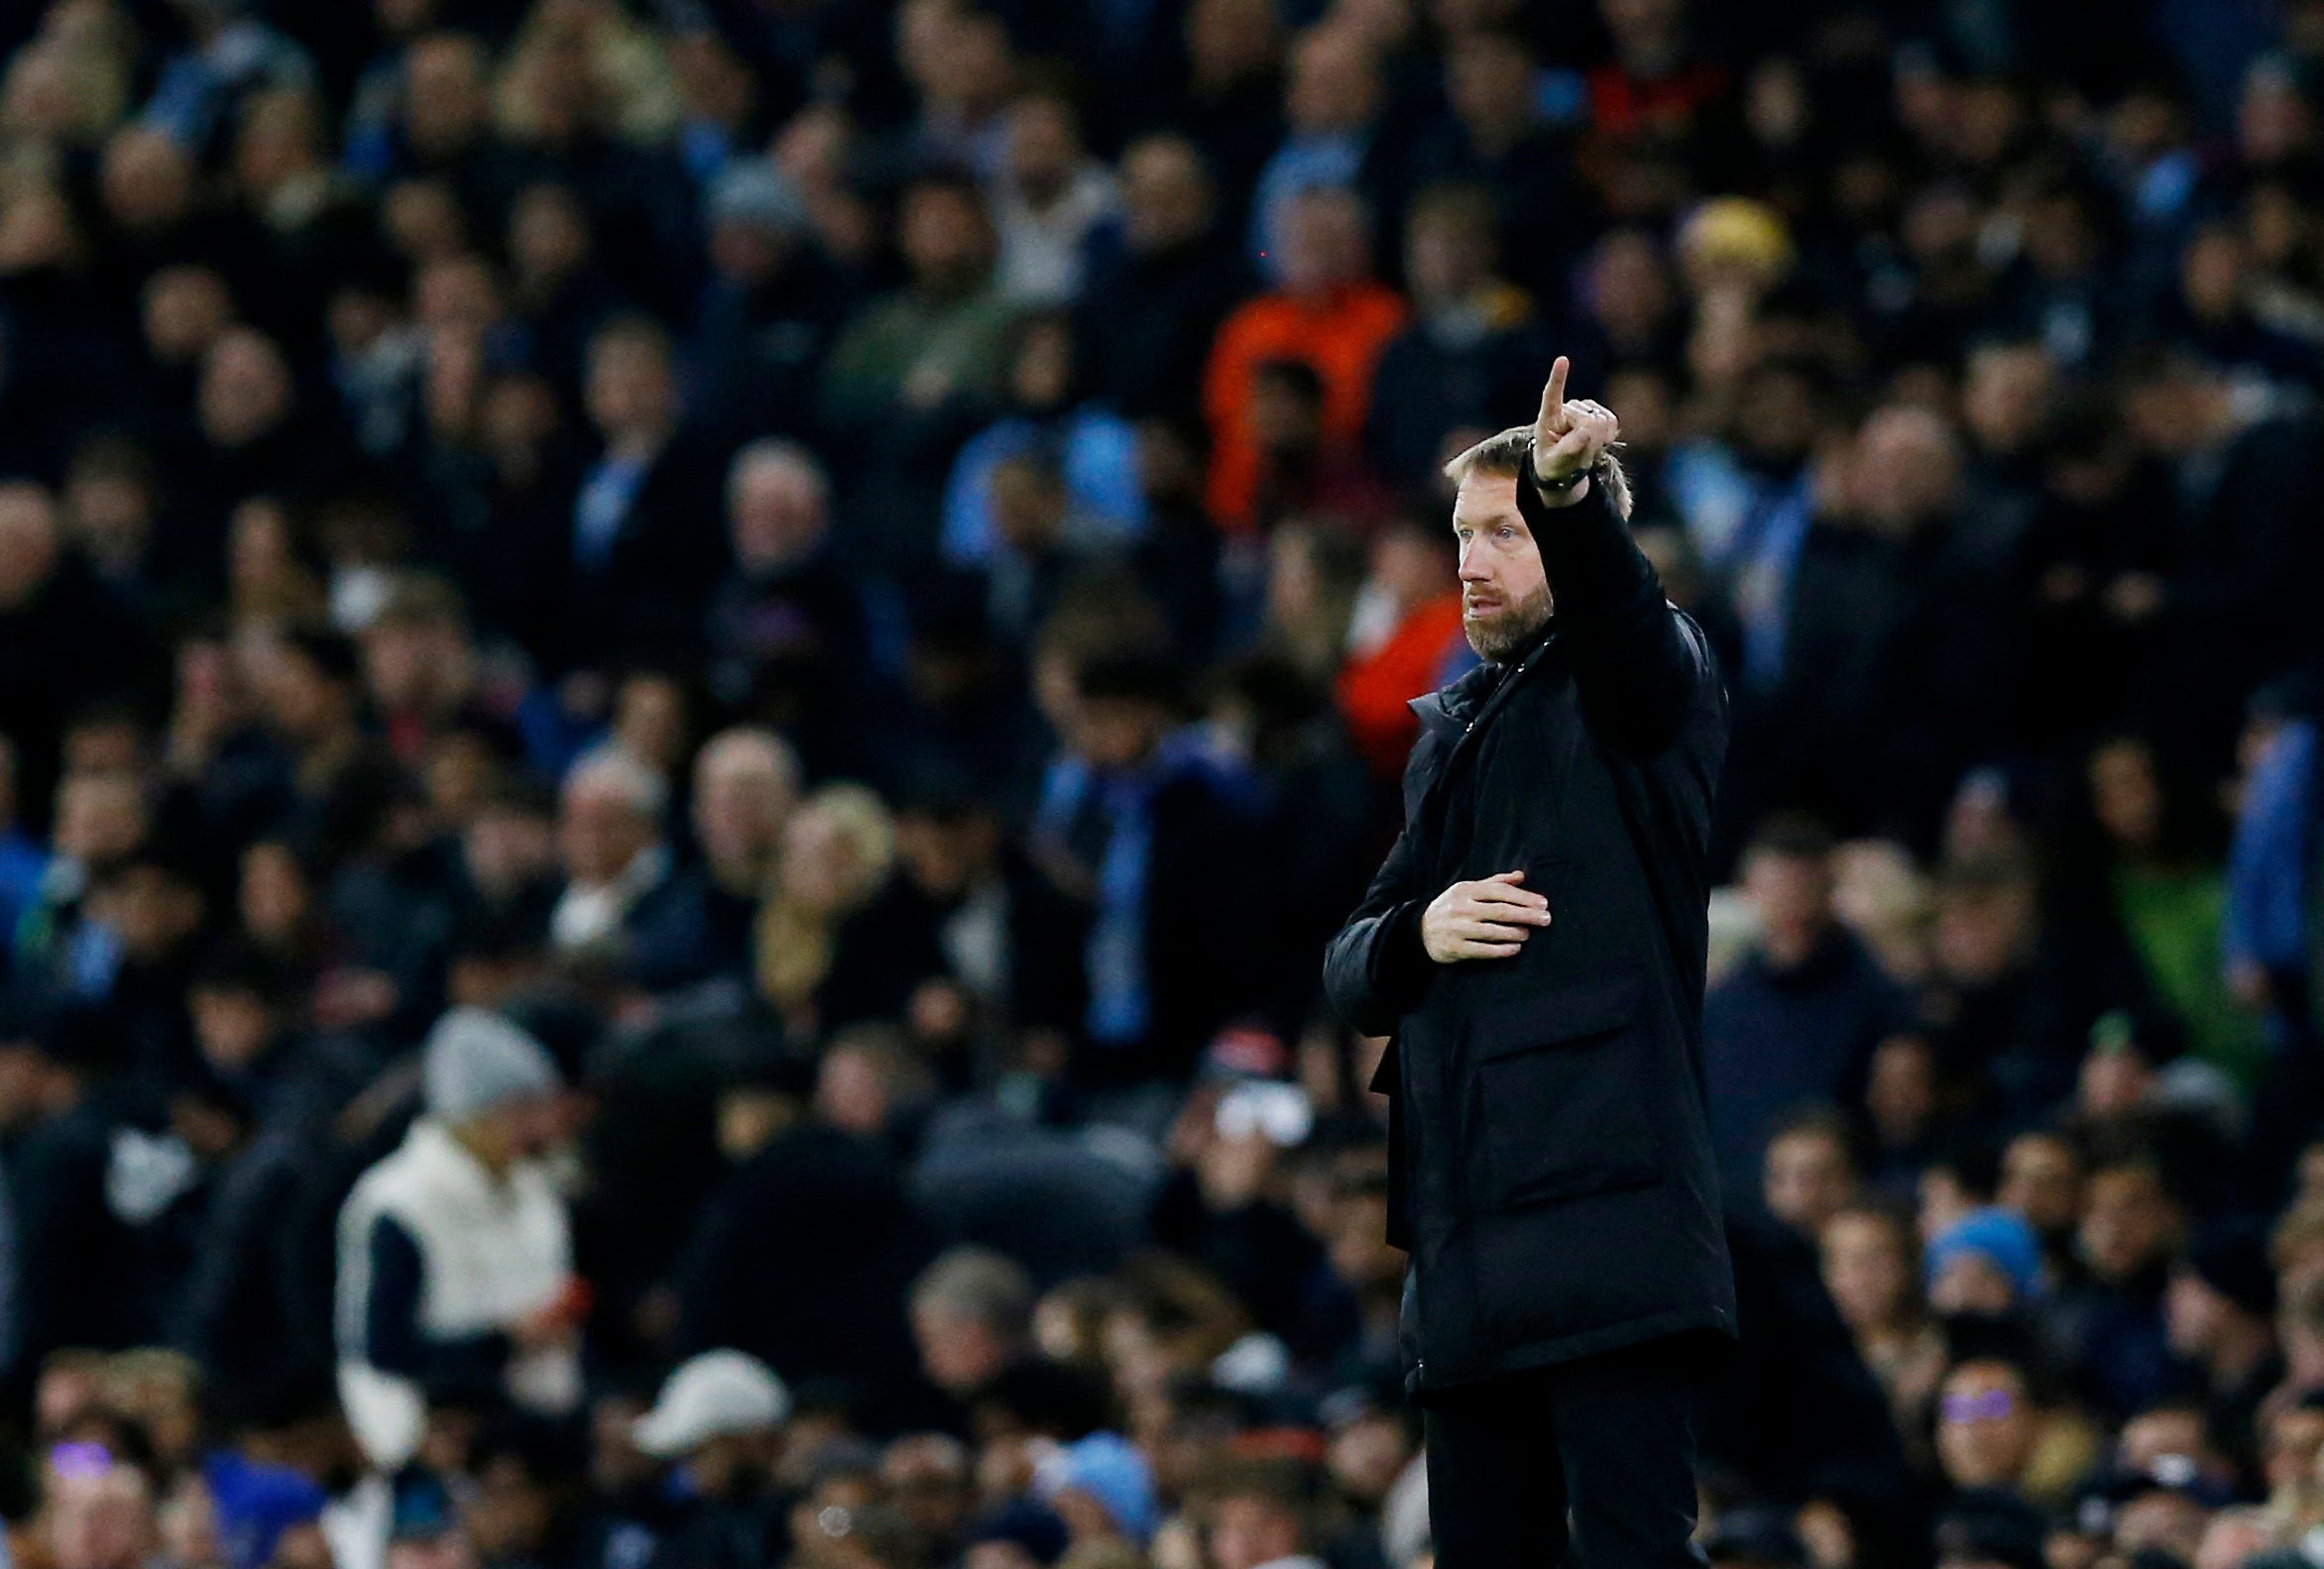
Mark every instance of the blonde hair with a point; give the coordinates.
(637, 92)
(1503, 454)
(796, 942)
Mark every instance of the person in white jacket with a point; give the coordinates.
(455, 1252)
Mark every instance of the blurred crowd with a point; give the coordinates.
(687, 686)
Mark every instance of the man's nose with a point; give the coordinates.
(1474, 568)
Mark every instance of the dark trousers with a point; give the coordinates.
(1588, 1463)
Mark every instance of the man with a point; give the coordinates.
(559, 291)
(789, 631)
(1553, 1169)
(2009, 409)
(1810, 1173)
(109, 505)
(641, 546)
(1408, 641)
(1161, 279)
(419, 669)
(1155, 841)
(719, 1419)
(55, 1132)
(2112, 1326)
(439, 127)
(746, 786)
(97, 1509)
(2041, 1175)
(2220, 1314)
(919, 369)
(264, 1090)
(1987, 1427)
(620, 879)
(807, 1202)
(455, 1252)
(1327, 310)
(973, 1316)
(310, 696)
(1302, 468)
(1957, 645)
(2225, 603)
(1472, 332)
(249, 436)
(1797, 1023)
(1050, 197)
(1257, 1519)
(1497, 136)
(65, 639)
(771, 307)
(102, 818)
(1335, 110)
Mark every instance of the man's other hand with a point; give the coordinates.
(1487, 919)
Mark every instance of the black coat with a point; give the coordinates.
(1147, 319)
(805, 1257)
(1553, 1173)
(644, 599)
(1779, 1040)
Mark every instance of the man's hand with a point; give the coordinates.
(1569, 437)
(1487, 919)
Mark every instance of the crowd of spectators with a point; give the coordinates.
(687, 686)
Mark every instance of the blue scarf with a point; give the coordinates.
(1120, 1009)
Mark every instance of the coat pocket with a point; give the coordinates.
(1563, 1097)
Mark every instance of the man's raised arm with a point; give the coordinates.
(1637, 661)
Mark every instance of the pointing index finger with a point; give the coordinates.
(1554, 396)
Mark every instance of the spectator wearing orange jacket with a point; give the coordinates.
(1331, 313)
(1407, 626)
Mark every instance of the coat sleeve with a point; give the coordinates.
(394, 1340)
(1377, 970)
(1637, 662)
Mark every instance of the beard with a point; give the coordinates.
(1500, 633)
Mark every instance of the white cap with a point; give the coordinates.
(716, 1395)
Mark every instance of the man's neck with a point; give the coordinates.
(1788, 952)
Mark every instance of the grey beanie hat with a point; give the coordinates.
(477, 1061)
(753, 191)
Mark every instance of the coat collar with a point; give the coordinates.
(1451, 710)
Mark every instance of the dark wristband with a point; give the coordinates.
(1554, 486)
